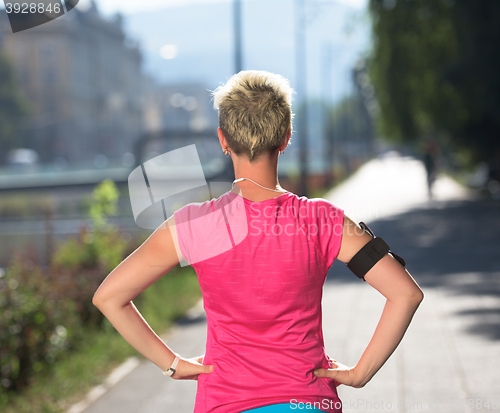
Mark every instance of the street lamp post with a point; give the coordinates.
(238, 65)
(301, 87)
(328, 115)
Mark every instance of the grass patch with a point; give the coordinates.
(70, 378)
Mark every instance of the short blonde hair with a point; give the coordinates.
(255, 111)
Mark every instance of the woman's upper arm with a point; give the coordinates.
(154, 258)
(387, 276)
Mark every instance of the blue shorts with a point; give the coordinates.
(278, 408)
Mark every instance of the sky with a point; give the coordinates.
(135, 10)
(109, 7)
(267, 46)
(133, 6)
(172, 54)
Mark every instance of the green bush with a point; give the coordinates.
(81, 264)
(43, 315)
(36, 323)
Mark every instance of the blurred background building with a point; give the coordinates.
(86, 97)
(94, 80)
(83, 81)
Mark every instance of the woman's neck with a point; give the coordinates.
(264, 171)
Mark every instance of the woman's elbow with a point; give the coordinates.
(418, 296)
(107, 301)
(415, 296)
(409, 297)
(98, 300)
(411, 292)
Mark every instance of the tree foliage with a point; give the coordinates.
(435, 68)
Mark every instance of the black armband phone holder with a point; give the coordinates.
(370, 254)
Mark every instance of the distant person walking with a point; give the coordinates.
(431, 159)
(261, 254)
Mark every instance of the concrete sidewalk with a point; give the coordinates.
(449, 357)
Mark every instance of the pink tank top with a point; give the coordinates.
(261, 268)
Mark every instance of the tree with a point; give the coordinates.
(435, 68)
(12, 108)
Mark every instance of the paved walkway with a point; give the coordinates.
(449, 358)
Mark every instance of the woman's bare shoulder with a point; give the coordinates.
(353, 239)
